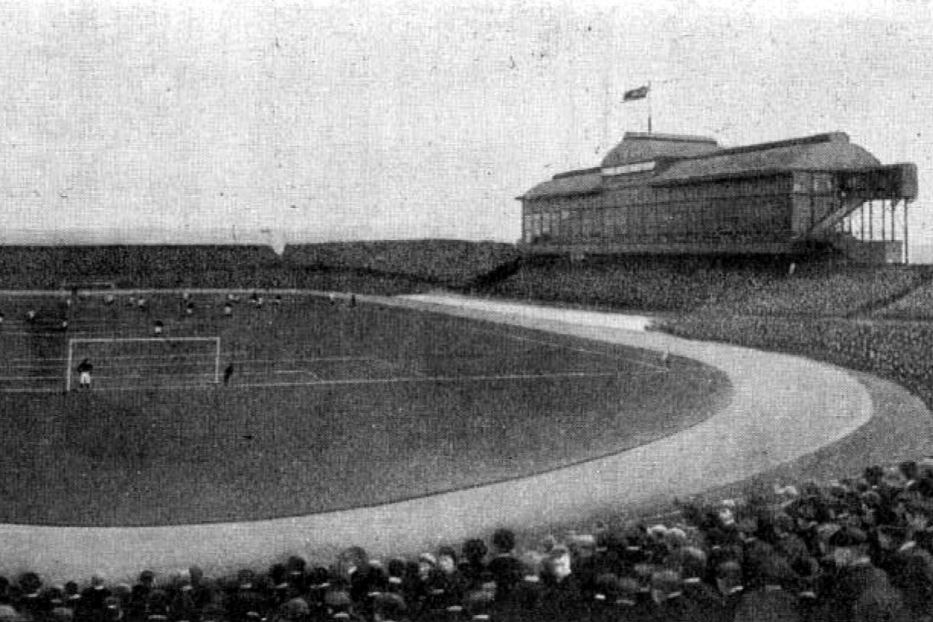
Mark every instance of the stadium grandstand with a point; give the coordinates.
(672, 194)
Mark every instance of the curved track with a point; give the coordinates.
(783, 408)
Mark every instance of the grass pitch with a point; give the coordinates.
(330, 407)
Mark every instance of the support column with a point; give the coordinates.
(893, 210)
(906, 239)
(861, 229)
(883, 204)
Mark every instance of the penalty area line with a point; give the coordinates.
(559, 346)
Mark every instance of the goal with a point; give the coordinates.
(146, 362)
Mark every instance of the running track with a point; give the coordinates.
(783, 408)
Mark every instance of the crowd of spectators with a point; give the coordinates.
(450, 263)
(48, 267)
(388, 267)
(897, 350)
(771, 286)
(821, 290)
(858, 550)
(634, 283)
(736, 285)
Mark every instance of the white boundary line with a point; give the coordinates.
(315, 383)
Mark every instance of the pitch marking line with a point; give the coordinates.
(211, 356)
(348, 381)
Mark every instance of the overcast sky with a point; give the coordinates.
(126, 121)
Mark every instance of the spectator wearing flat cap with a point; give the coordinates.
(505, 568)
(473, 562)
(93, 600)
(296, 568)
(353, 567)
(397, 577)
(72, 596)
(279, 591)
(587, 566)
(561, 594)
(421, 576)
(444, 586)
(202, 590)
(31, 602)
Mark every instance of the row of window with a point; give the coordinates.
(753, 218)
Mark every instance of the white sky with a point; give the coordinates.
(125, 121)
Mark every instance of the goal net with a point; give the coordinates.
(126, 363)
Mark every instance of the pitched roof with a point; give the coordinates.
(641, 146)
(823, 151)
(688, 158)
(566, 185)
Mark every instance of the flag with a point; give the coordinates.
(639, 93)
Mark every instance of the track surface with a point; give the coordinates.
(782, 408)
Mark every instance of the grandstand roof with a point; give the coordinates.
(641, 147)
(686, 158)
(566, 185)
(831, 151)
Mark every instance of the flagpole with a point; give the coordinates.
(649, 106)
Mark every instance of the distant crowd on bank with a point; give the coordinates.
(689, 284)
(854, 550)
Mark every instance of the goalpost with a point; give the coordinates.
(142, 361)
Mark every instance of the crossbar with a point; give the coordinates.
(87, 340)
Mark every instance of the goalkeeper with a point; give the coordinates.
(84, 374)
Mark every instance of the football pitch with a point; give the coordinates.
(328, 406)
